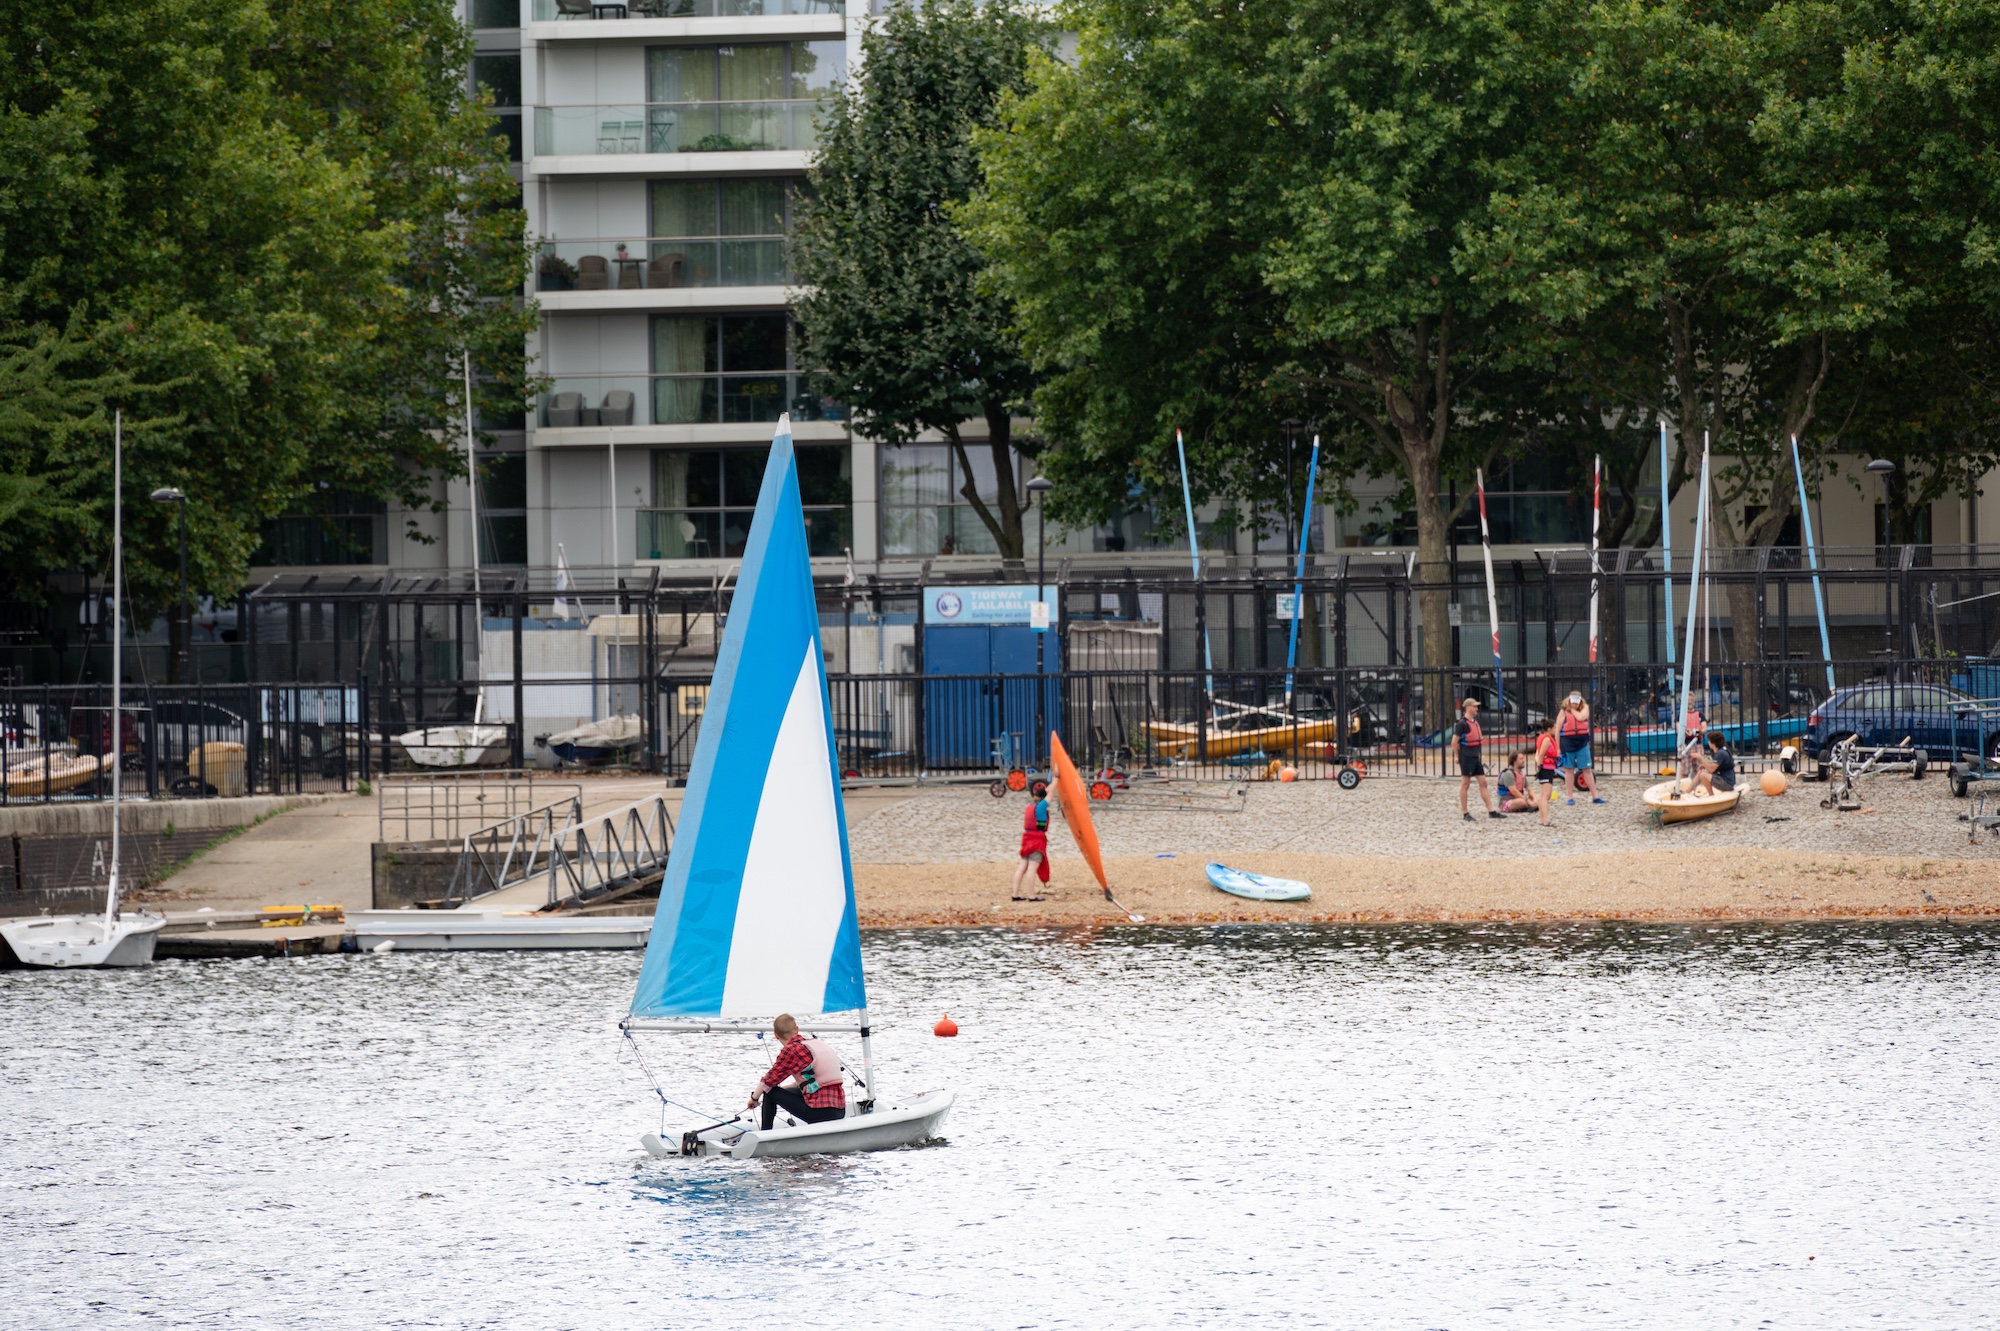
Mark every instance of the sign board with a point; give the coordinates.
(986, 605)
(1288, 605)
(1038, 616)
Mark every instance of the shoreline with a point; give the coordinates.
(1653, 887)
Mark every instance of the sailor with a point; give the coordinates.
(1034, 841)
(817, 1092)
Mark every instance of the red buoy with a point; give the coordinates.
(946, 1026)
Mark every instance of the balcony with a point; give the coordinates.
(683, 399)
(549, 11)
(639, 263)
(676, 127)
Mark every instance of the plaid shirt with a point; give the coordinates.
(795, 1058)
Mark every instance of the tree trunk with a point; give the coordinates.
(1005, 525)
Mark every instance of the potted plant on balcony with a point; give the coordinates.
(557, 273)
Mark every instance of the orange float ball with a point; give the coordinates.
(1289, 774)
(1773, 781)
(945, 1027)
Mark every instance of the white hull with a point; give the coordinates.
(457, 746)
(493, 931)
(883, 1130)
(1676, 804)
(65, 942)
(1256, 886)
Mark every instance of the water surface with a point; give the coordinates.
(1408, 1126)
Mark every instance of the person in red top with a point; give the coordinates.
(1034, 841)
(818, 1091)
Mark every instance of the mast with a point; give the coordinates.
(1492, 597)
(1194, 553)
(472, 508)
(1694, 591)
(1812, 553)
(1596, 510)
(1299, 576)
(117, 661)
(1667, 550)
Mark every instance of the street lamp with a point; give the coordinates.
(1039, 488)
(1884, 468)
(167, 494)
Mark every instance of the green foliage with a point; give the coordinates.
(892, 320)
(265, 234)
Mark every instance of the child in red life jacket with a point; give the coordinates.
(1034, 841)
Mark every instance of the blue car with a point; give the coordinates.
(1930, 717)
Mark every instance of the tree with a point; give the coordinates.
(266, 235)
(1221, 214)
(891, 317)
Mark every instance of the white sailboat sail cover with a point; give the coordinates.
(756, 913)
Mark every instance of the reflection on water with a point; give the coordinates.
(1408, 1126)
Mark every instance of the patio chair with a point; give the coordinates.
(617, 408)
(665, 270)
(565, 409)
(593, 273)
(572, 9)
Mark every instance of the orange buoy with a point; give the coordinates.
(945, 1027)
(1773, 781)
(1288, 774)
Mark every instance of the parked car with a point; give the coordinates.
(1925, 716)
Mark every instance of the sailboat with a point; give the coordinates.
(756, 913)
(1676, 800)
(110, 939)
(474, 745)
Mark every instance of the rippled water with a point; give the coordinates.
(1382, 1127)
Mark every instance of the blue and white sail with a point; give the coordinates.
(756, 913)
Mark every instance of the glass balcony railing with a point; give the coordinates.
(626, 265)
(676, 127)
(548, 11)
(683, 399)
(722, 533)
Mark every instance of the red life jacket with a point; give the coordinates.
(1573, 724)
(1036, 819)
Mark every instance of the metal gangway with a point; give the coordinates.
(553, 857)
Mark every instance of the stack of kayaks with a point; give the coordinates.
(1257, 886)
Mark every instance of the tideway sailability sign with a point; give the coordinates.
(985, 605)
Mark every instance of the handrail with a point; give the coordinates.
(610, 851)
(483, 861)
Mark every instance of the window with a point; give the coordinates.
(923, 511)
(503, 509)
(738, 98)
(499, 76)
(728, 368)
(496, 13)
(722, 232)
(704, 500)
(336, 527)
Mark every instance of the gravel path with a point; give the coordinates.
(1419, 817)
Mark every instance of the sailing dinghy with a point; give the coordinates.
(756, 913)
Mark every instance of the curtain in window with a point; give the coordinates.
(916, 474)
(680, 74)
(752, 73)
(683, 207)
(752, 208)
(817, 68)
(684, 345)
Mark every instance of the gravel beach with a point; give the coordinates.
(1396, 849)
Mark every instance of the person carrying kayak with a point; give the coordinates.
(1034, 841)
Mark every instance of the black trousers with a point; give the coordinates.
(794, 1103)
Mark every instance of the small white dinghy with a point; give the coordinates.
(457, 746)
(113, 938)
(1257, 886)
(756, 914)
(1675, 803)
(494, 930)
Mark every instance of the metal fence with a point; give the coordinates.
(57, 744)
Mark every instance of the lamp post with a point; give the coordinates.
(169, 495)
(1039, 487)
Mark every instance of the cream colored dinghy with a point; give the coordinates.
(1675, 803)
(882, 1129)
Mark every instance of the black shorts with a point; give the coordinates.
(1469, 764)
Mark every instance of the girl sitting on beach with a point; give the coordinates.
(1517, 790)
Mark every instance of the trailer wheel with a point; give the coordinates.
(1100, 790)
(1348, 778)
(1017, 780)
(1959, 785)
(998, 790)
(1920, 763)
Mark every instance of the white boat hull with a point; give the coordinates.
(66, 942)
(1676, 804)
(884, 1130)
(495, 931)
(1256, 886)
(457, 746)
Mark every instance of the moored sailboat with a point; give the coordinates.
(757, 914)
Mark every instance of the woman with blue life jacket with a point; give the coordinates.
(1034, 841)
(818, 1091)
